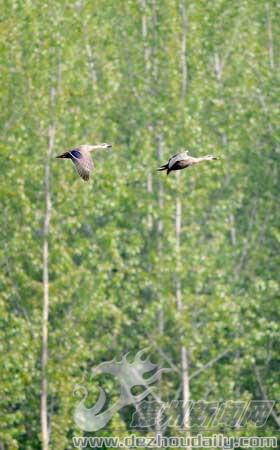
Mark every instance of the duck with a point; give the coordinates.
(81, 158)
(183, 160)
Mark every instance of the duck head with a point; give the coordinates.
(211, 158)
(103, 145)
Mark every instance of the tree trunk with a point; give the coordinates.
(183, 352)
(44, 353)
(184, 65)
(160, 197)
(270, 38)
(149, 182)
(178, 227)
(160, 317)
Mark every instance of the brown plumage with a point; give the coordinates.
(80, 156)
(183, 160)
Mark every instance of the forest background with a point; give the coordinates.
(184, 265)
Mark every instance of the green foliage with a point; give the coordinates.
(107, 277)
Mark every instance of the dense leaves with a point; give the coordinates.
(114, 72)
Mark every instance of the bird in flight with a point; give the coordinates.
(183, 160)
(80, 156)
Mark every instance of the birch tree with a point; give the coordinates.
(45, 317)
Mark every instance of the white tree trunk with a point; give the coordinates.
(270, 38)
(149, 182)
(183, 352)
(44, 352)
(160, 317)
(184, 51)
(185, 379)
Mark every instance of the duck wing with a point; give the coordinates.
(83, 163)
(182, 156)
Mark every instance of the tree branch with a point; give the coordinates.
(209, 364)
(264, 395)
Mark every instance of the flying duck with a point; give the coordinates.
(80, 156)
(183, 160)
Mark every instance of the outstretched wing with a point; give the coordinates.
(83, 163)
(182, 156)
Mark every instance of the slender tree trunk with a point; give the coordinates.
(232, 230)
(91, 63)
(178, 227)
(183, 352)
(150, 205)
(184, 50)
(154, 50)
(149, 182)
(160, 197)
(151, 70)
(270, 38)
(44, 353)
(160, 317)
(151, 67)
(144, 36)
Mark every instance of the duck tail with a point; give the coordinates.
(163, 167)
(64, 155)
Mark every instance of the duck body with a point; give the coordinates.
(183, 160)
(81, 158)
